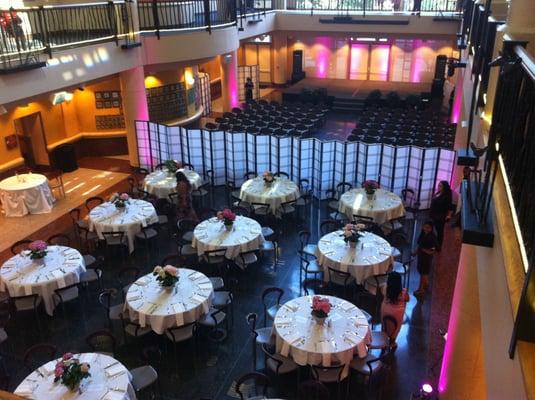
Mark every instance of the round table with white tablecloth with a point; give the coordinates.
(280, 191)
(344, 334)
(384, 206)
(162, 183)
(108, 218)
(21, 276)
(211, 234)
(26, 194)
(160, 308)
(371, 256)
(109, 380)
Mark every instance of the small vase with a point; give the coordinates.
(39, 261)
(228, 227)
(353, 244)
(370, 196)
(268, 184)
(319, 320)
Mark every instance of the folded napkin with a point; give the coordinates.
(89, 358)
(133, 297)
(346, 306)
(141, 282)
(361, 321)
(352, 338)
(197, 299)
(323, 347)
(205, 286)
(179, 310)
(196, 276)
(283, 321)
(115, 370)
(291, 307)
(48, 368)
(60, 276)
(25, 390)
(10, 276)
(114, 395)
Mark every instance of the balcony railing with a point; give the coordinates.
(362, 6)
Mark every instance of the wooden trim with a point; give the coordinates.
(86, 135)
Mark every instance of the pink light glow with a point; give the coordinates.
(323, 50)
(418, 66)
(358, 64)
(458, 99)
(382, 53)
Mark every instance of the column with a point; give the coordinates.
(191, 80)
(229, 80)
(280, 58)
(134, 107)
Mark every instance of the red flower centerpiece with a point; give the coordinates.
(37, 249)
(167, 276)
(120, 200)
(321, 307)
(352, 233)
(370, 187)
(228, 218)
(70, 371)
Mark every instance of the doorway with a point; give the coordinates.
(369, 62)
(32, 141)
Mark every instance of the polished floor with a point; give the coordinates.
(211, 373)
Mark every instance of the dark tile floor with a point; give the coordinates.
(211, 373)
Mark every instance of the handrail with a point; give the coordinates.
(527, 60)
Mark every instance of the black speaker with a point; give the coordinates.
(297, 68)
(440, 66)
(437, 88)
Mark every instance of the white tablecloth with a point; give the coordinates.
(154, 306)
(107, 218)
(280, 191)
(344, 334)
(384, 206)
(109, 380)
(371, 256)
(26, 194)
(162, 183)
(246, 235)
(22, 276)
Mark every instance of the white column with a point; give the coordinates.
(229, 80)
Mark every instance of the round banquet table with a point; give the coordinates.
(371, 256)
(22, 276)
(26, 194)
(246, 235)
(109, 380)
(108, 218)
(162, 183)
(344, 334)
(154, 306)
(384, 207)
(280, 191)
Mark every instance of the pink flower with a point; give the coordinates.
(37, 245)
(171, 270)
(124, 196)
(349, 227)
(228, 215)
(321, 304)
(219, 215)
(67, 356)
(58, 371)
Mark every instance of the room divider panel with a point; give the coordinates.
(323, 163)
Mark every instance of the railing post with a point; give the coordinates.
(156, 18)
(207, 21)
(113, 21)
(44, 29)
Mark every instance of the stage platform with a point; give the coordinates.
(357, 90)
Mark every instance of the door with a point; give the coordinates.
(32, 140)
(358, 64)
(379, 60)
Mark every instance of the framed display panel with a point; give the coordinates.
(324, 164)
(248, 71)
(167, 102)
(108, 99)
(105, 122)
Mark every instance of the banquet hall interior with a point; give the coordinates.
(267, 199)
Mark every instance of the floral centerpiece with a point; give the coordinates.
(268, 177)
(120, 200)
(370, 187)
(37, 249)
(321, 307)
(352, 233)
(166, 276)
(70, 371)
(228, 218)
(172, 166)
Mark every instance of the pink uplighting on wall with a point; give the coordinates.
(382, 54)
(323, 52)
(457, 100)
(419, 65)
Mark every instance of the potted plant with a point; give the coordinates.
(321, 307)
(370, 187)
(228, 218)
(166, 276)
(37, 249)
(268, 178)
(120, 200)
(351, 234)
(70, 372)
(172, 166)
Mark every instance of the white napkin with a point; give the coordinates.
(197, 299)
(133, 297)
(27, 290)
(48, 368)
(11, 276)
(179, 310)
(361, 321)
(205, 286)
(60, 276)
(323, 347)
(115, 370)
(346, 306)
(283, 321)
(25, 390)
(292, 307)
(141, 282)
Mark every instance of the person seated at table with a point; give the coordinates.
(427, 246)
(184, 210)
(394, 302)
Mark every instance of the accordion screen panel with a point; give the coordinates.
(248, 71)
(323, 164)
(205, 95)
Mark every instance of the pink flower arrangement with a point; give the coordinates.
(166, 276)
(120, 200)
(37, 249)
(70, 371)
(321, 307)
(370, 186)
(268, 177)
(351, 232)
(227, 216)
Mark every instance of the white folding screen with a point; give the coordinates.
(324, 164)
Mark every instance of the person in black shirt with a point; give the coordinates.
(427, 244)
(441, 209)
(249, 86)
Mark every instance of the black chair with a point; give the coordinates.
(307, 248)
(260, 335)
(113, 312)
(92, 202)
(259, 382)
(180, 334)
(102, 342)
(329, 226)
(249, 175)
(341, 279)
(20, 246)
(329, 375)
(66, 294)
(271, 305)
(59, 239)
(308, 265)
(38, 355)
(283, 174)
(313, 390)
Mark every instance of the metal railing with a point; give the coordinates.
(435, 6)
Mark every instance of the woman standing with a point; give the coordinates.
(394, 303)
(427, 244)
(184, 209)
(441, 209)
